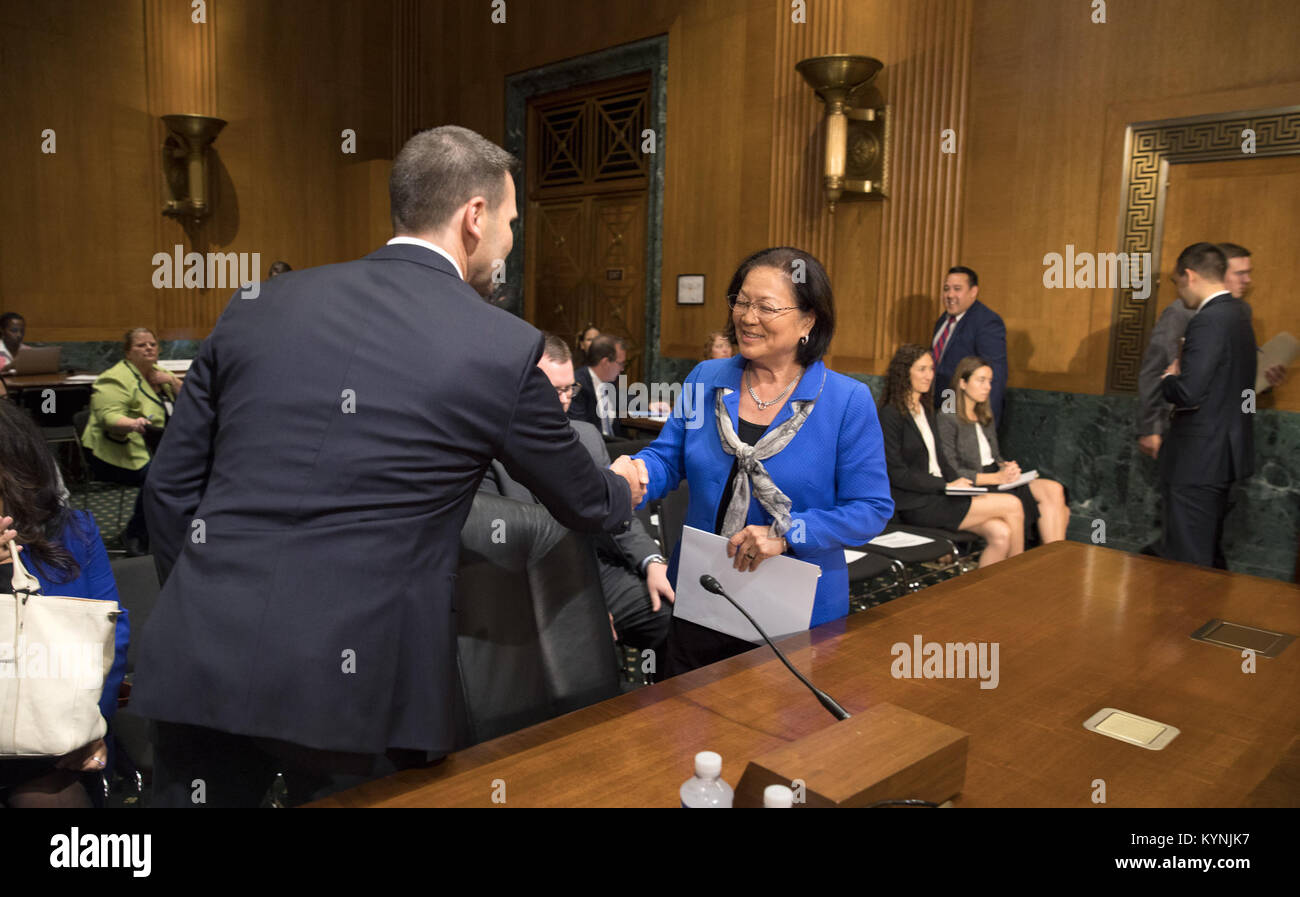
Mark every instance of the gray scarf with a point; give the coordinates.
(750, 469)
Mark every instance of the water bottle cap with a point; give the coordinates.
(708, 765)
(778, 796)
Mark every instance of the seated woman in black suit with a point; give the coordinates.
(918, 473)
(969, 442)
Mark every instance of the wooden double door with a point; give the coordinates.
(585, 220)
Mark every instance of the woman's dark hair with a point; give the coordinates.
(130, 337)
(898, 379)
(967, 366)
(812, 292)
(29, 487)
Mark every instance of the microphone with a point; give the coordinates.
(826, 700)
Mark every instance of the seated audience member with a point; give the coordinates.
(277, 268)
(717, 345)
(968, 327)
(633, 574)
(969, 439)
(129, 398)
(61, 547)
(606, 358)
(919, 473)
(13, 328)
(781, 455)
(582, 343)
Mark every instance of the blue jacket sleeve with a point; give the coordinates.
(101, 586)
(863, 504)
(665, 458)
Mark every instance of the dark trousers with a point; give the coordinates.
(111, 473)
(225, 770)
(628, 599)
(1193, 523)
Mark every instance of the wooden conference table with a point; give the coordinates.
(1079, 628)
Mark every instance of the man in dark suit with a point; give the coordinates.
(633, 573)
(968, 327)
(1153, 413)
(1211, 439)
(596, 402)
(308, 496)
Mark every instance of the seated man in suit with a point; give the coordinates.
(1211, 440)
(633, 574)
(595, 403)
(968, 327)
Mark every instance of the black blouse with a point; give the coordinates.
(749, 434)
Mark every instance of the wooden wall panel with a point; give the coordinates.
(1051, 94)
(79, 228)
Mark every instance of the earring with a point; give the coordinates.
(803, 340)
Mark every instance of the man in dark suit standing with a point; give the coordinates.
(596, 402)
(968, 327)
(633, 573)
(1211, 439)
(308, 496)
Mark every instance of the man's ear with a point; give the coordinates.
(975, 292)
(474, 221)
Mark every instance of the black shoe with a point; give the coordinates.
(135, 547)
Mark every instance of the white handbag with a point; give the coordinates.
(54, 655)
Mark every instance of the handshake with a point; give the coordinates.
(633, 470)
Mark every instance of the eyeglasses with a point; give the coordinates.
(765, 310)
(571, 390)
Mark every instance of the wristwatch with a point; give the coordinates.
(652, 559)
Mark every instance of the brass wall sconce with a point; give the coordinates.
(857, 134)
(185, 165)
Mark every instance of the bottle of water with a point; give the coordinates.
(706, 788)
(777, 796)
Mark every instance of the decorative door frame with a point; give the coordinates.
(650, 55)
(1149, 149)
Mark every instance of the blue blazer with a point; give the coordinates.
(833, 471)
(979, 332)
(81, 538)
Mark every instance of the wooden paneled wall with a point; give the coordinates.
(1051, 94)
(79, 227)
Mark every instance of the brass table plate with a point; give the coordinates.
(1129, 727)
(1240, 637)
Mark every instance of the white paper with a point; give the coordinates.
(779, 594)
(176, 366)
(72, 379)
(1025, 477)
(965, 490)
(1281, 349)
(900, 539)
(850, 555)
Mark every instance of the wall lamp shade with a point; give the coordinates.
(857, 134)
(186, 175)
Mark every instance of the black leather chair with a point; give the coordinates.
(533, 631)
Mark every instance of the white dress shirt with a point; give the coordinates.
(923, 424)
(986, 453)
(416, 241)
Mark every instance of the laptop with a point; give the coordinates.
(37, 360)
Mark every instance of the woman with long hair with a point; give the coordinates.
(969, 440)
(62, 548)
(919, 474)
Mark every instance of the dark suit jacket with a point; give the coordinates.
(308, 497)
(908, 461)
(1211, 439)
(979, 332)
(583, 406)
(626, 549)
(1153, 409)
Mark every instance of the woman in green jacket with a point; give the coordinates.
(129, 398)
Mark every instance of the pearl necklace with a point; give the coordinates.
(763, 406)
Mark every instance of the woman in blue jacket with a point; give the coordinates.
(62, 548)
(781, 454)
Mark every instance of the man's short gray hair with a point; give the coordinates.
(441, 169)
